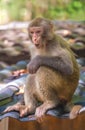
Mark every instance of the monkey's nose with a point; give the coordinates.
(35, 39)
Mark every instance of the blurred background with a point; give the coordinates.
(68, 17)
(24, 10)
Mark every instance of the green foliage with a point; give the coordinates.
(74, 10)
(54, 9)
(14, 8)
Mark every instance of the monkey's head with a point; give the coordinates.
(40, 31)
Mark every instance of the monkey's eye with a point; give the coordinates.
(38, 31)
(31, 32)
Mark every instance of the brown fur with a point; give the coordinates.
(53, 69)
(47, 85)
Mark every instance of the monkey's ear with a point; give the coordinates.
(50, 31)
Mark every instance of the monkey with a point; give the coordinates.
(53, 71)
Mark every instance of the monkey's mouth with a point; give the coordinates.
(37, 45)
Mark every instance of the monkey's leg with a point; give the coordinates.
(29, 92)
(46, 91)
(29, 99)
(50, 100)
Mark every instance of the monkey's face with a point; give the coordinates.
(36, 36)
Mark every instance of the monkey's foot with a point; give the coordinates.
(15, 107)
(75, 111)
(23, 110)
(40, 113)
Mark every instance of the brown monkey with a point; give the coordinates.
(53, 69)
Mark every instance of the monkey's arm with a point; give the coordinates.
(58, 63)
(62, 64)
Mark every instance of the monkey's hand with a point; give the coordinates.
(34, 65)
